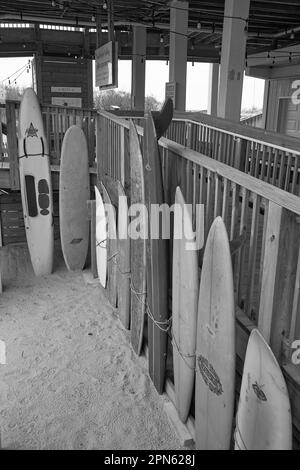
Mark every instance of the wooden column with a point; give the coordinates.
(266, 105)
(233, 59)
(179, 15)
(213, 91)
(138, 82)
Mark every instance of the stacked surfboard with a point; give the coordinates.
(35, 182)
(264, 418)
(74, 192)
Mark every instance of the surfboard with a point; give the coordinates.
(112, 247)
(163, 118)
(263, 419)
(137, 244)
(215, 350)
(157, 261)
(123, 271)
(35, 182)
(74, 192)
(101, 239)
(184, 305)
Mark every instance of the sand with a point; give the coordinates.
(71, 380)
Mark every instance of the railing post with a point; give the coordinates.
(91, 208)
(12, 144)
(240, 154)
(99, 148)
(278, 278)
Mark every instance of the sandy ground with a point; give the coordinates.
(71, 380)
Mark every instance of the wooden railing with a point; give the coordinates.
(263, 222)
(256, 120)
(57, 119)
(270, 157)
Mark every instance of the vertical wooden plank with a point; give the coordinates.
(12, 145)
(1, 139)
(240, 270)
(271, 256)
(296, 303)
(99, 147)
(122, 157)
(93, 239)
(295, 173)
(275, 167)
(225, 201)
(279, 274)
(252, 256)
(263, 163)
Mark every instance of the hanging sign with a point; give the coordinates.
(106, 69)
(171, 91)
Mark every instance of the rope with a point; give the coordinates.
(184, 356)
(157, 323)
(100, 244)
(34, 155)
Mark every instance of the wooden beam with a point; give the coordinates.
(12, 144)
(111, 22)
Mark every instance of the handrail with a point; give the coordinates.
(261, 136)
(263, 189)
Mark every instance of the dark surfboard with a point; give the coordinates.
(157, 261)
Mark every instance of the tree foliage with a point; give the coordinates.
(11, 92)
(121, 99)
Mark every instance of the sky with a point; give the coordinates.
(157, 74)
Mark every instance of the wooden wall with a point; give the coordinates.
(277, 89)
(64, 73)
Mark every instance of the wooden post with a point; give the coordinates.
(1, 138)
(99, 146)
(122, 155)
(12, 144)
(99, 30)
(111, 24)
(278, 278)
(240, 154)
(91, 205)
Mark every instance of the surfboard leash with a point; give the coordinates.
(34, 155)
(164, 326)
(100, 244)
(184, 356)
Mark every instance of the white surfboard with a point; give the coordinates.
(263, 419)
(35, 182)
(215, 351)
(74, 191)
(123, 271)
(112, 247)
(184, 305)
(101, 239)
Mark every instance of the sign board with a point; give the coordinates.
(171, 91)
(65, 89)
(106, 58)
(68, 102)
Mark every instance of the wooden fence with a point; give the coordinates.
(57, 119)
(265, 220)
(269, 156)
(256, 120)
